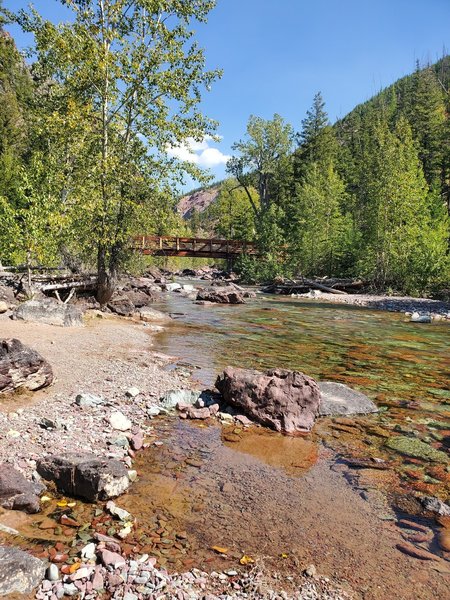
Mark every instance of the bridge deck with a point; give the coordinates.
(192, 247)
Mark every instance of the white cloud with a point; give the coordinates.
(199, 153)
(212, 157)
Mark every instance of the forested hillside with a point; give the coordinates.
(368, 196)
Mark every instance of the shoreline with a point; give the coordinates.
(439, 310)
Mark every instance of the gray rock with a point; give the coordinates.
(339, 399)
(171, 287)
(49, 311)
(174, 397)
(16, 492)
(20, 573)
(3, 307)
(435, 506)
(86, 399)
(85, 476)
(417, 317)
(22, 367)
(122, 305)
(121, 441)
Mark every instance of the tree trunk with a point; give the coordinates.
(106, 277)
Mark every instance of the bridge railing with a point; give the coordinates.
(176, 245)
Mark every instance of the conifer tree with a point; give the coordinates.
(404, 241)
(427, 117)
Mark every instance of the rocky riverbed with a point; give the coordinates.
(214, 513)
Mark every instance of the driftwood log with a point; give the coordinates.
(302, 286)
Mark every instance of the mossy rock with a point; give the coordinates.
(416, 448)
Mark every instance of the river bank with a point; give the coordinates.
(437, 309)
(234, 498)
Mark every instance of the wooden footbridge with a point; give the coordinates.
(192, 247)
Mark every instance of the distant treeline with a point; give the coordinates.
(368, 196)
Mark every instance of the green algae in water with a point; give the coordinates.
(416, 449)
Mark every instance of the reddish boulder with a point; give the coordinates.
(221, 295)
(22, 367)
(287, 401)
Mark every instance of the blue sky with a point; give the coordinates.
(276, 54)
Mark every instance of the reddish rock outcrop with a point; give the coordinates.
(22, 367)
(287, 401)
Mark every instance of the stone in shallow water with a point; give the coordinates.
(415, 448)
(85, 475)
(174, 397)
(287, 401)
(20, 572)
(339, 399)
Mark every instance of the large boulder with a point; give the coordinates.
(85, 476)
(22, 367)
(121, 305)
(221, 295)
(20, 573)
(16, 492)
(287, 401)
(339, 399)
(49, 311)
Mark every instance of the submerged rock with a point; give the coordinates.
(287, 401)
(20, 573)
(417, 317)
(415, 448)
(338, 399)
(16, 492)
(85, 476)
(49, 311)
(22, 367)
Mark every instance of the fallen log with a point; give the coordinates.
(85, 284)
(322, 288)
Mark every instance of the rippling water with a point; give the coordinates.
(403, 366)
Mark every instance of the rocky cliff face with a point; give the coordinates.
(197, 201)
